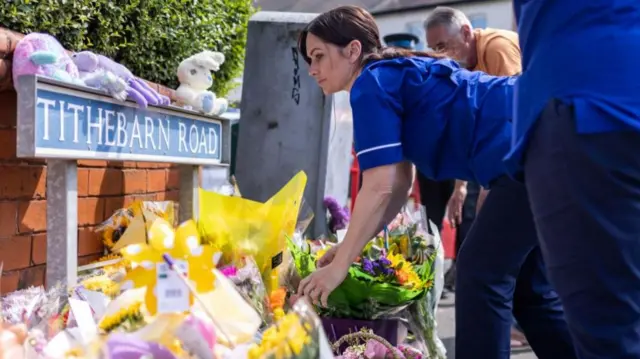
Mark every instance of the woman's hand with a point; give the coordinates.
(319, 285)
(454, 206)
(328, 256)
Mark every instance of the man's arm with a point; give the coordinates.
(503, 57)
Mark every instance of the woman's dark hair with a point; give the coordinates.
(344, 24)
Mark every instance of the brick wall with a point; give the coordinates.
(103, 187)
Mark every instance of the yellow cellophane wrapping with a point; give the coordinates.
(240, 227)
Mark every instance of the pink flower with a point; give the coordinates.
(229, 271)
(375, 350)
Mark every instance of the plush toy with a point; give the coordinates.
(98, 70)
(41, 54)
(194, 74)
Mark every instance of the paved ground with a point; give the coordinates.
(446, 330)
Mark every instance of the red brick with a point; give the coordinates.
(23, 181)
(90, 211)
(88, 259)
(8, 219)
(89, 241)
(9, 282)
(33, 276)
(173, 195)
(8, 104)
(156, 180)
(39, 248)
(146, 197)
(146, 165)
(129, 164)
(35, 182)
(113, 204)
(105, 181)
(173, 178)
(35, 161)
(167, 92)
(8, 141)
(15, 252)
(135, 181)
(32, 216)
(92, 163)
(83, 182)
(5, 74)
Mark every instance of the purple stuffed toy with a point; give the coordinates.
(41, 54)
(89, 63)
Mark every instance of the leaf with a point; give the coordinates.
(149, 37)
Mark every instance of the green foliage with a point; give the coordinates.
(150, 37)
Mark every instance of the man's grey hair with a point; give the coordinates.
(451, 18)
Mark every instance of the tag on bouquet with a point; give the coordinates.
(193, 342)
(172, 293)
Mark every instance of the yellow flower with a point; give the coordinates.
(129, 314)
(182, 244)
(282, 340)
(102, 283)
(74, 353)
(321, 253)
(405, 273)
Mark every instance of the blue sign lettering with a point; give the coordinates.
(70, 126)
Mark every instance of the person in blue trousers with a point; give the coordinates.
(577, 142)
(417, 108)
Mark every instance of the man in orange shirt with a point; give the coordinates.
(493, 51)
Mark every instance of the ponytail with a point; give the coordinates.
(388, 53)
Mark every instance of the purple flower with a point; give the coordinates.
(384, 261)
(338, 216)
(367, 266)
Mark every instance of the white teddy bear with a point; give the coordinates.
(194, 74)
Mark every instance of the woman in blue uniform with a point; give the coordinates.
(577, 137)
(414, 108)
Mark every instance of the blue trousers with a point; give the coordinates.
(585, 198)
(500, 272)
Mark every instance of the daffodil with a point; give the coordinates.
(183, 244)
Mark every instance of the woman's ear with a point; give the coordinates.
(354, 51)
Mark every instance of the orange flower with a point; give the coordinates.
(277, 298)
(402, 276)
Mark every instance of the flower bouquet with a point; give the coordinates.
(391, 279)
(297, 335)
(114, 227)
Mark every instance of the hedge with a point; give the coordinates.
(150, 37)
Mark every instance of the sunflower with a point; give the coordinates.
(405, 274)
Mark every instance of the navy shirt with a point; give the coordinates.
(449, 122)
(583, 52)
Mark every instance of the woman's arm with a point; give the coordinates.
(385, 190)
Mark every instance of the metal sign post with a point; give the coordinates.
(63, 123)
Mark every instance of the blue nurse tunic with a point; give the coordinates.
(455, 124)
(578, 122)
